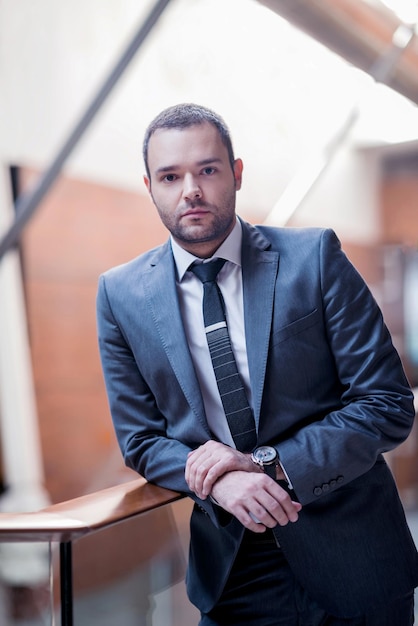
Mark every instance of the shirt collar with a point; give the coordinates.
(230, 250)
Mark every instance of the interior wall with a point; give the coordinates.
(399, 208)
(399, 198)
(345, 197)
(81, 230)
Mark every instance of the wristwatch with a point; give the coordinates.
(267, 458)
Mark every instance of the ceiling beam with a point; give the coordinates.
(358, 32)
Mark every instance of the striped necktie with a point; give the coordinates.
(231, 389)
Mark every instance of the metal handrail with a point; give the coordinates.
(70, 520)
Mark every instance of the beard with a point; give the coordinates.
(215, 225)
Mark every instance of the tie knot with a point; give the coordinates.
(207, 272)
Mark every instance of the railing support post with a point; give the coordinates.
(66, 580)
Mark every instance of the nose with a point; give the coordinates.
(191, 189)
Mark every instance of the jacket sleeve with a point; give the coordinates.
(375, 412)
(140, 426)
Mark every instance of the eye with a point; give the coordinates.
(208, 171)
(169, 178)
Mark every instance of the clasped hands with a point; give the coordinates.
(239, 486)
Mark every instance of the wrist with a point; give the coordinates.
(266, 459)
(251, 465)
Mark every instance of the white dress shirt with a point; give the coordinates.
(190, 292)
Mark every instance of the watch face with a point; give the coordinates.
(265, 454)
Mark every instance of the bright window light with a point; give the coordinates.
(406, 10)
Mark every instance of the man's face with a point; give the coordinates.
(193, 186)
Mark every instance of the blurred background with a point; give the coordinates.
(321, 100)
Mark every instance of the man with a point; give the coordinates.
(304, 525)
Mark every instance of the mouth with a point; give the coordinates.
(196, 212)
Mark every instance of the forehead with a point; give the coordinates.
(182, 147)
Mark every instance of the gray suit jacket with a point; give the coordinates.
(328, 391)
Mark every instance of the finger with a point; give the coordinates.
(250, 521)
(197, 458)
(201, 474)
(190, 474)
(194, 476)
(208, 463)
(212, 475)
(268, 517)
(283, 509)
(273, 505)
(291, 508)
(229, 460)
(207, 473)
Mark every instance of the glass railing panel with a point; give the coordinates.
(27, 585)
(132, 574)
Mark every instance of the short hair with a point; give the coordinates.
(185, 115)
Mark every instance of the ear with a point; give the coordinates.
(238, 168)
(147, 183)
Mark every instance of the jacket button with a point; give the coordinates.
(317, 491)
(325, 487)
(340, 479)
(332, 483)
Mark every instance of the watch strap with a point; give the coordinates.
(270, 469)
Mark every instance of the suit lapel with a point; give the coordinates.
(259, 272)
(161, 294)
(259, 269)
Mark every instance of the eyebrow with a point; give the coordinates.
(171, 168)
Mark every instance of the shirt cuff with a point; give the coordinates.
(286, 475)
